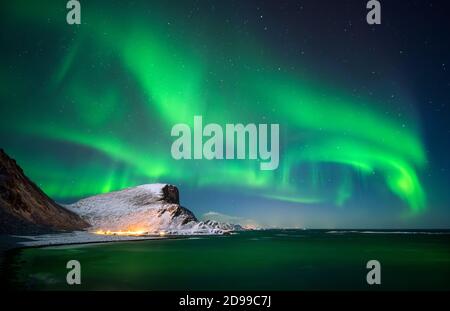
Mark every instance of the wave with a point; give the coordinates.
(389, 232)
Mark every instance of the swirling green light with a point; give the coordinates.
(156, 77)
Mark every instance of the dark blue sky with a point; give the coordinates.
(363, 110)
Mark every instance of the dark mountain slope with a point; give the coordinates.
(24, 208)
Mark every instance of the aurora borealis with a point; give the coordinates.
(88, 109)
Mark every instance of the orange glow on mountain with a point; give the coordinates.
(122, 232)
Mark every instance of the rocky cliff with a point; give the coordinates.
(24, 208)
(146, 209)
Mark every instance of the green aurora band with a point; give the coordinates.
(124, 85)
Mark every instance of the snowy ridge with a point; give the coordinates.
(222, 225)
(147, 209)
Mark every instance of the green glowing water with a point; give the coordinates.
(276, 259)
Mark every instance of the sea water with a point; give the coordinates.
(258, 260)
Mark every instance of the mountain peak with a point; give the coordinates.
(149, 208)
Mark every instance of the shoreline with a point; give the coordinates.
(18, 242)
(14, 241)
(21, 246)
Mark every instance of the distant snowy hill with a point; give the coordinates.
(151, 208)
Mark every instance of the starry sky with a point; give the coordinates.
(363, 109)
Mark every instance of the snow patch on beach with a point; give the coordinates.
(77, 237)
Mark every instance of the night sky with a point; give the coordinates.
(363, 110)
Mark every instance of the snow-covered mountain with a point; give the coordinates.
(150, 209)
(224, 226)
